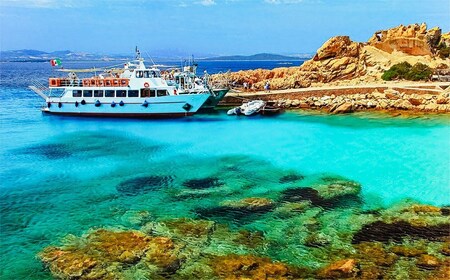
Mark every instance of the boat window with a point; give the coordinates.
(153, 74)
(146, 74)
(87, 93)
(76, 93)
(121, 93)
(139, 74)
(109, 93)
(98, 93)
(161, 92)
(145, 92)
(133, 93)
(152, 93)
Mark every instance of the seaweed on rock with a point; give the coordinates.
(384, 232)
(290, 178)
(140, 185)
(50, 151)
(203, 183)
(240, 211)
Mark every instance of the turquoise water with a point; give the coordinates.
(64, 175)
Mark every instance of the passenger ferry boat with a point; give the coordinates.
(187, 82)
(132, 91)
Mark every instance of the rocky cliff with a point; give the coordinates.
(340, 59)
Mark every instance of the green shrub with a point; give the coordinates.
(443, 50)
(405, 71)
(419, 72)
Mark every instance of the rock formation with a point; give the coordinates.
(412, 39)
(340, 58)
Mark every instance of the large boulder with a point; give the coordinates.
(337, 47)
(413, 39)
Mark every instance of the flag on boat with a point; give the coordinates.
(55, 62)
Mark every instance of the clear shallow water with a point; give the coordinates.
(64, 175)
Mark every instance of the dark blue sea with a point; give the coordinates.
(219, 197)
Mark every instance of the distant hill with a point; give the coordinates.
(35, 55)
(67, 55)
(259, 56)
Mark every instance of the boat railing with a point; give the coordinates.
(88, 82)
(39, 88)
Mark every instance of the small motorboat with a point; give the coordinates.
(250, 108)
(253, 107)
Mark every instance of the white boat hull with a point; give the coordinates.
(164, 106)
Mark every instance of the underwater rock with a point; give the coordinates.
(336, 194)
(428, 262)
(399, 221)
(140, 185)
(249, 267)
(301, 194)
(416, 215)
(406, 251)
(370, 271)
(204, 183)
(101, 248)
(289, 209)
(121, 246)
(102, 253)
(446, 248)
(184, 227)
(50, 151)
(423, 209)
(338, 189)
(250, 239)
(384, 232)
(238, 211)
(250, 204)
(317, 239)
(136, 217)
(374, 252)
(290, 178)
(67, 264)
(340, 269)
(162, 252)
(443, 272)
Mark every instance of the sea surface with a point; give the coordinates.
(65, 176)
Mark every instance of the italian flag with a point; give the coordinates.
(55, 62)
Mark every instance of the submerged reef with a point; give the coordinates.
(203, 183)
(139, 185)
(286, 226)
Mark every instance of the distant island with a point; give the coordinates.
(28, 55)
(259, 56)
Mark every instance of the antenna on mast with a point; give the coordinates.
(138, 53)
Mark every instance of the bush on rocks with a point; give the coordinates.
(404, 71)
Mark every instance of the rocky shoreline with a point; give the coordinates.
(346, 76)
(348, 99)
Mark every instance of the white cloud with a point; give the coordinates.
(46, 4)
(207, 2)
(276, 2)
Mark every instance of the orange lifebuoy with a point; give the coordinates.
(124, 82)
(146, 85)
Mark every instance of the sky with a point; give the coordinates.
(218, 27)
